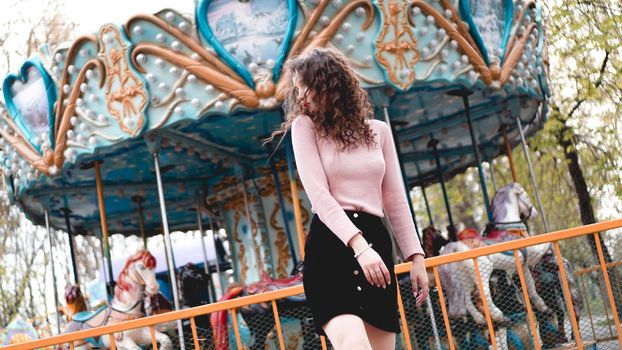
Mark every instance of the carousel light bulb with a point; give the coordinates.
(178, 110)
(58, 57)
(369, 59)
(71, 69)
(92, 141)
(176, 45)
(338, 38)
(441, 33)
(464, 59)
(195, 102)
(73, 121)
(457, 65)
(448, 13)
(66, 88)
(425, 51)
(195, 56)
(70, 134)
(101, 118)
(160, 37)
(360, 11)
(89, 74)
(346, 27)
(430, 19)
(350, 49)
(80, 138)
(337, 3)
(170, 16)
(173, 70)
(519, 81)
(433, 43)
(192, 78)
(141, 58)
(416, 11)
(209, 88)
(92, 98)
(270, 63)
(184, 26)
(150, 77)
(423, 31)
(179, 92)
(324, 20)
(218, 104)
(138, 30)
(162, 86)
(79, 102)
(360, 37)
(82, 127)
(83, 87)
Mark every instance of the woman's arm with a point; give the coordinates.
(394, 199)
(313, 177)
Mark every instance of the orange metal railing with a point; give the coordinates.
(432, 264)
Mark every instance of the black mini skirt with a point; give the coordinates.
(334, 283)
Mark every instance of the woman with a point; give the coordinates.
(349, 168)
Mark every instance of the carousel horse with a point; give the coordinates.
(548, 283)
(74, 301)
(259, 317)
(433, 241)
(136, 280)
(509, 205)
(194, 290)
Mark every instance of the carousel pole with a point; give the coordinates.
(49, 234)
(104, 226)
(464, 93)
(141, 218)
(168, 245)
(249, 217)
(205, 260)
(531, 173)
(222, 286)
(425, 196)
(279, 193)
(289, 155)
(508, 152)
(492, 176)
(433, 144)
(72, 249)
(385, 111)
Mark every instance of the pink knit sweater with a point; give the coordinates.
(357, 179)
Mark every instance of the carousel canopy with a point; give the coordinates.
(202, 90)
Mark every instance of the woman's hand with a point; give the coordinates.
(419, 279)
(375, 270)
(373, 267)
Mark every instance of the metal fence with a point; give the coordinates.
(559, 290)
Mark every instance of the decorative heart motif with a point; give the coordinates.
(249, 35)
(30, 97)
(490, 23)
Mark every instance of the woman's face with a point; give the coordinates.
(304, 95)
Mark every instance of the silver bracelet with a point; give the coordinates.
(362, 251)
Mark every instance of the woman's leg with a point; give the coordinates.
(347, 332)
(380, 339)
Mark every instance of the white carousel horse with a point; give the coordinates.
(136, 281)
(508, 205)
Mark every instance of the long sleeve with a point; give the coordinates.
(395, 201)
(314, 181)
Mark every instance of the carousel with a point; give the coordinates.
(156, 125)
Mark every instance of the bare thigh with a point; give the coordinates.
(379, 338)
(347, 332)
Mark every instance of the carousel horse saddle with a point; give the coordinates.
(84, 316)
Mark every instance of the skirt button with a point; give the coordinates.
(356, 272)
(359, 288)
(356, 215)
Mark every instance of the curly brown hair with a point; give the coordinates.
(341, 105)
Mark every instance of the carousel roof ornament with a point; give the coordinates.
(202, 90)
